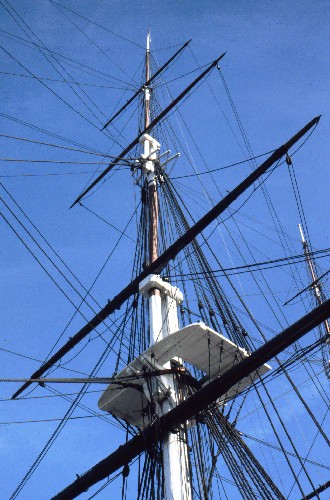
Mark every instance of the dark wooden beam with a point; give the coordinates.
(318, 490)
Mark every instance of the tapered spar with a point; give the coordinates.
(158, 265)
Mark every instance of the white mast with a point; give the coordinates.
(163, 302)
(316, 286)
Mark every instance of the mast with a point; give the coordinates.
(316, 285)
(148, 145)
(317, 289)
(163, 318)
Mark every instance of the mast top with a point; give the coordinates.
(302, 234)
(148, 41)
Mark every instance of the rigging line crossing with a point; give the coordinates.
(39, 361)
(63, 422)
(223, 221)
(180, 219)
(268, 200)
(65, 265)
(86, 84)
(69, 412)
(52, 134)
(51, 396)
(267, 262)
(65, 162)
(300, 356)
(232, 213)
(50, 89)
(107, 222)
(179, 77)
(112, 165)
(210, 171)
(298, 199)
(197, 402)
(287, 375)
(172, 251)
(82, 66)
(281, 395)
(251, 465)
(52, 262)
(95, 153)
(237, 142)
(276, 433)
(99, 26)
(107, 56)
(224, 307)
(237, 474)
(105, 418)
(290, 380)
(146, 84)
(42, 49)
(220, 107)
(305, 458)
(77, 308)
(270, 445)
(126, 89)
(311, 285)
(205, 191)
(219, 272)
(151, 125)
(88, 38)
(47, 242)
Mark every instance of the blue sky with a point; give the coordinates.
(276, 67)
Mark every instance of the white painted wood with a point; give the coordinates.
(195, 344)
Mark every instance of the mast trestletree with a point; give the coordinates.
(196, 403)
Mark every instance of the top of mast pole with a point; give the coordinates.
(147, 88)
(302, 234)
(148, 41)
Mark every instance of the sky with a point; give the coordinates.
(276, 70)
